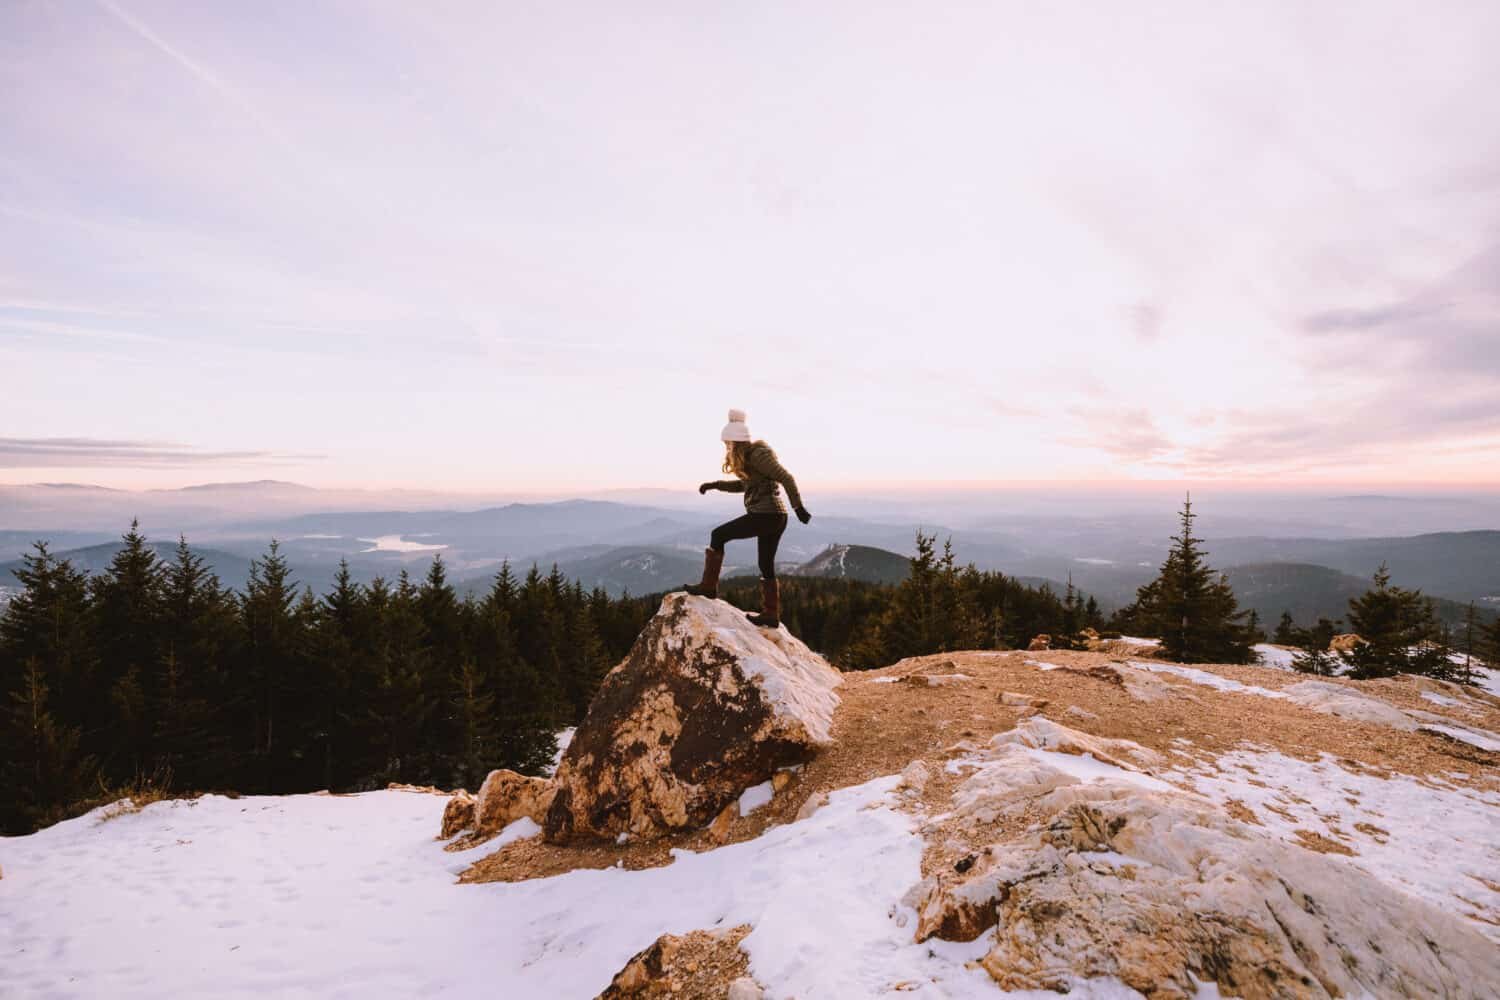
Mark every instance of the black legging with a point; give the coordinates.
(765, 528)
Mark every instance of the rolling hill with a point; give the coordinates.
(857, 562)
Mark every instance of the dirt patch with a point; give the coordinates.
(1241, 812)
(1314, 841)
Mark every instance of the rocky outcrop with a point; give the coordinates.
(704, 706)
(1130, 878)
(458, 814)
(700, 964)
(1040, 643)
(1346, 643)
(507, 796)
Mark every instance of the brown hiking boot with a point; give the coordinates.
(713, 560)
(770, 605)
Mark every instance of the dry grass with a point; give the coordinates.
(135, 795)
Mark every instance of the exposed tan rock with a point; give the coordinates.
(458, 814)
(1346, 643)
(781, 779)
(507, 796)
(718, 830)
(701, 965)
(1161, 890)
(704, 706)
(1041, 642)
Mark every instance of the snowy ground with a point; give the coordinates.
(350, 896)
(333, 896)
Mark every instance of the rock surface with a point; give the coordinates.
(1336, 699)
(458, 814)
(507, 796)
(1346, 643)
(694, 966)
(1133, 879)
(704, 706)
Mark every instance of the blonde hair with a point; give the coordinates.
(734, 457)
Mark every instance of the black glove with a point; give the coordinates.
(803, 515)
(705, 488)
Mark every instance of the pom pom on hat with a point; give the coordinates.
(736, 429)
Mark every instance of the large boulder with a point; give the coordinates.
(704, 706)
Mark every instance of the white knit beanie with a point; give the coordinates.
(735, 430)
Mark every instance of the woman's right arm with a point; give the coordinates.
(726, 485)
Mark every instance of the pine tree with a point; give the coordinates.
(1313, 656)
(525, 737)
(48, 623)
(1397, 626)
(1490, 644)
(1286, 631)
(1470, 645)
(341, 649)
(583, 662)
(1072, 617)
(1192, 609)
(474, 712)
(42, 768)
(910, 626)
(127, 605)
(1253, 630)
(269, 660)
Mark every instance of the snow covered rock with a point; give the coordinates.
(507, 796)
(1121, 875)
(704, 706)
(1346, 703)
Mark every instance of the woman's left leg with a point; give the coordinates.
(767, 541)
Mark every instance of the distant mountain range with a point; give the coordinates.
(650, 547)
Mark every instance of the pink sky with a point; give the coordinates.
(480, 247)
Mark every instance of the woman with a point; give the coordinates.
(759, 476)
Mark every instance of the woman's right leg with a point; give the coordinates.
(713, 556)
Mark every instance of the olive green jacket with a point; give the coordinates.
(763, 473)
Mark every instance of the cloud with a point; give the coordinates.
(72, 452)
(1380, 317)
(1130, 436)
